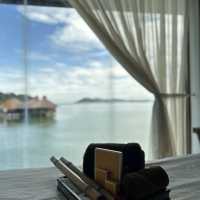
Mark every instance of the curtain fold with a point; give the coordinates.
(149, 39)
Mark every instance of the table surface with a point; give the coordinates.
(40, 184)
(36, 184)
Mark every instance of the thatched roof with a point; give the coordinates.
(34, 103)
(44, 103)
(12, 104)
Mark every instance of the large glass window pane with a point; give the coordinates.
(12, 88)
(96, 99)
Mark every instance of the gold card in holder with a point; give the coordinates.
(108, 168)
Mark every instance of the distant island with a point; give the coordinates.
(112, 100)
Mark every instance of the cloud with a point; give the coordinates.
(36, 56)
(63, 82)
(63, 85)
(76, 34)
(72, 33)
(12, 80)
(44, 15)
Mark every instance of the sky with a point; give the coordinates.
(64, 58)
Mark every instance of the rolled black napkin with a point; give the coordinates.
(133, 157)
(144, 183)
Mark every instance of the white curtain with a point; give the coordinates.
(149, 39)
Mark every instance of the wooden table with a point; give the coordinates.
(29, 184)
(40, 184)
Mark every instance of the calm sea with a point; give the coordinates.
(30, 145)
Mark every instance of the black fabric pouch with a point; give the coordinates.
(133, 157)
(145, 183)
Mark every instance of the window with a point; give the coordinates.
(74, 91)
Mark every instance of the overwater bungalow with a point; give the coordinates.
(11, 109)
(14, 109)
(41, 108)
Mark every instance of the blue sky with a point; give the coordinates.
(65, 59)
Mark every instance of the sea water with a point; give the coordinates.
(30, 145)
